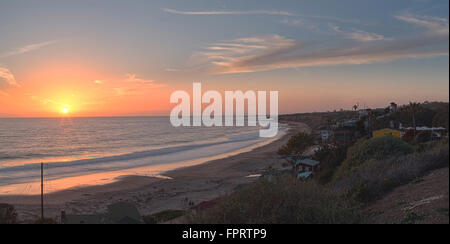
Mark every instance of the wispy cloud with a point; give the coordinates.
(273, 52)
(268, 12)
(46, 101)
(251, 12)
(7, 79)
(133, 85)
(435, 25)
(300, 22)
(135, 79)
(124, 91)
(27, 48)
(224, 54)
(359, 35)
(364, 36)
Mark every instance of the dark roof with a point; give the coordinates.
(122, 210)
(129, 221)
(118, 213)
(308, 162)
(83, 219)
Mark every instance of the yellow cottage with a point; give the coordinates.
(387, 131)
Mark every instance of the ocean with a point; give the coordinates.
(90, 151)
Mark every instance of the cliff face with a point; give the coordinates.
(424, 201)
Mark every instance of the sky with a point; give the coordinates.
(125, 58)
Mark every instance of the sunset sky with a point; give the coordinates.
(121, 58)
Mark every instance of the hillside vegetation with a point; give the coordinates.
(370, 169)
(375, 177)
(282, 201)
(366, 150)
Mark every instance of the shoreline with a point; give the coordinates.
(103, 170)
(196, 183)
(74, 182)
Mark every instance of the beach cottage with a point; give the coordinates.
(306, 167)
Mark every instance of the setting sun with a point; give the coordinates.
(65, 110)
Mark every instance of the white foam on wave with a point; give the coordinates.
(153, 161)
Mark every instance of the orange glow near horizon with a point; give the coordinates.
(52, 89)
(78, 91)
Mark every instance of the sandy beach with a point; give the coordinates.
(193, 184)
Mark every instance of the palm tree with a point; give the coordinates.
(355, 107)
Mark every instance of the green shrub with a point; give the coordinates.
(45, 221)
(412, 218)
(424, 136)
(377, 148)
(163, 216)
(281, 201)
(297, 144)
(360, 192)
(378, 177)
(330, 158)
(8, 214)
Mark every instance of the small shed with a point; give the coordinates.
(306, 165)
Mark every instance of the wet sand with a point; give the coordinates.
(193, 184)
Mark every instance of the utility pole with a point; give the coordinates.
(42, 190)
